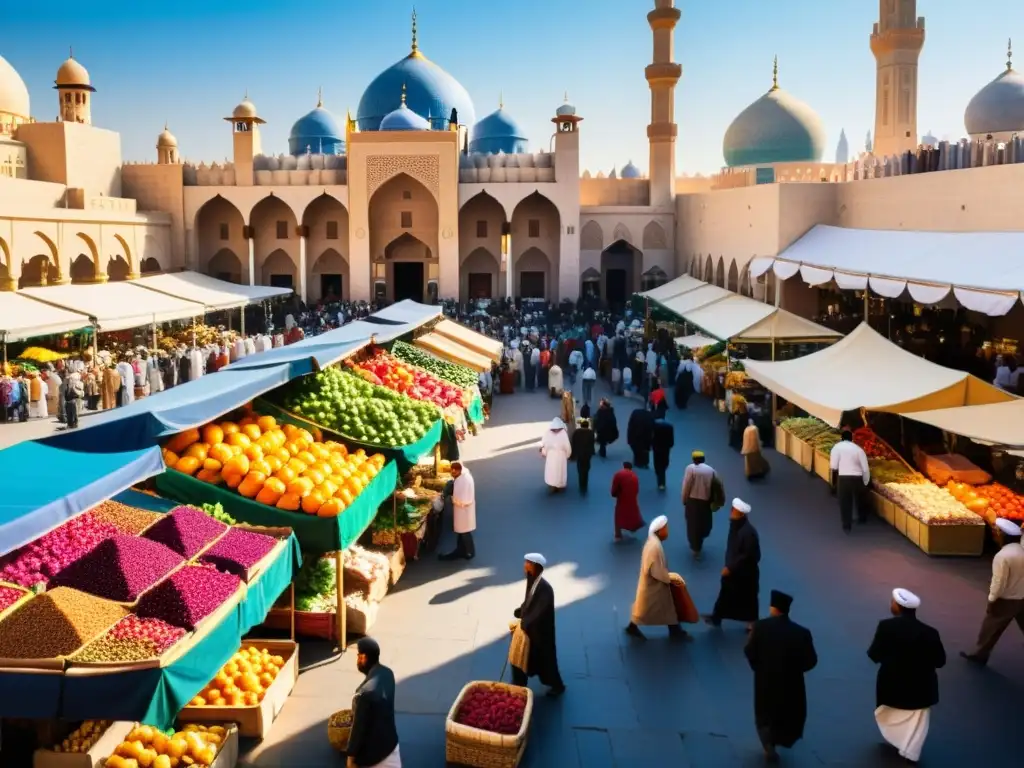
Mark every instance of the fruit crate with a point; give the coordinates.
(793, 444)
(321, 625)
(255, 721)
(782, 437)
(823, 466)
(953, 540)
(465, 745)
(94, 757)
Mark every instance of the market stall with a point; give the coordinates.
(459, 375)
(24, 317)
(446, 349)
(212, 293)
(117, 306)
(470, 339)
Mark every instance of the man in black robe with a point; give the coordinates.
(537, 618)
(639, 434)
(780, 652)
(374, 737)
(583, 451)
(741, 576)
(684, 384)
(663, 438)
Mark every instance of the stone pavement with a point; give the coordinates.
(656, 703)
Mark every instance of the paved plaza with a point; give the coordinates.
(660, 703)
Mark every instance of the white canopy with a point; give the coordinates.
(453, 352)
(785, 326)
(470, 339)
(695, 341)
(730, 316)
(929, 265)
(212, 293)
(865, 370)
(695, 299)
(676, 287)
(22, 317)
(408, 311)
(996, 424)
(117, 306)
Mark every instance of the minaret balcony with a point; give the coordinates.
(664, 18)
(663, 73)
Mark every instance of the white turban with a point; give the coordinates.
(536, 557)
(1008, 527)
(657, 524)
(906, 598)
(557, 423)
(741, 506)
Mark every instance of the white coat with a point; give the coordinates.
(555, 448)
(555, 380)
(464, 503)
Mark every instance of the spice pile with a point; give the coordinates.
(238, 551)
(56, 624)
(186, 530)
(119, 568)
(129, 520)
(132, 639)
(39, 561)
(188, 596)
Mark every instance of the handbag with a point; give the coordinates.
(717, 500)
(519, 648)
(686, 610)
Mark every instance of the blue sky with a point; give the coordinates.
(189, 63)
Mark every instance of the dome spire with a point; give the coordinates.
(1009, 55)
(415, 42)
(403, 94)
(501, 99)
(320, 97)
(775, 74)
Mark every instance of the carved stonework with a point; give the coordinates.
(592, 238)
(654, 237)
(381, 168)
(621, 233)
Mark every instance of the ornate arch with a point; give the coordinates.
(592, 237)
(654, 237)
(380, 169)
(128, 255)
(94, 252)
(621, 232)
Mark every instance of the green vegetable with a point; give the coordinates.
(216, 511)
(316, 577)
(456, 374)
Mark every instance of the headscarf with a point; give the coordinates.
(556, 424)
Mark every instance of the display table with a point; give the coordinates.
(950, 540)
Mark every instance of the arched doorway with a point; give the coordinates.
(219, 228)
(149, 266)
(330, 277)
(720, 273)
(479, 275)
(325, 221)
(745, 282)
(709, 270)
(652, 278)
(82, 270)
(117, 269)
(278, 270)
(481, 225)
(404, 241)
(225, 265)
(733, 284)
(536, 246)
(590, 283)
(274, 233)
(620, 273)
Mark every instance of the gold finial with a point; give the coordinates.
(165, 125)
(415, 43)
(403, 94)
(1009, 55)
(246, 97)
(775, 74)
(319, 97)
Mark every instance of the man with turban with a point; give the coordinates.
(374, 737)
(908, 652)
(537, 621)
(654, 605)
(701, 486)
(780, 652)
(741, 576)
(1005, 593)
(556, 448)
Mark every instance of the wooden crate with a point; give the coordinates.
(964, 540)
(888, 510)
(899, 519)
(806, 459)
(781, 439)
(255, 722)
(793, 444)
(913, 530)
(100, 751)
(823, 467)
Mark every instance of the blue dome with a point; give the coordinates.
(317, 132)
(403, 119)
(777, 128)
(498, 132)
(429, 91)
(629, 171)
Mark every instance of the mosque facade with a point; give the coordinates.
(416, 196)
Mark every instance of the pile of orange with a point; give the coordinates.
(243, 681)
(279, 465)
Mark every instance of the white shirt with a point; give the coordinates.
(576, 358)
(1007, 574)
(1002, 379)
(850, 460)
(589, 375)
(627, 375)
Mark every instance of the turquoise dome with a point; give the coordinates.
(629, 171)
(316, 132)
(498, 132)
(429, 91)
(777, 128)
(403, 119)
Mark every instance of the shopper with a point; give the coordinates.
(583, 452)
(741, 576)
(537, 620)
(780, 652)
(606, 428)
(588, 378)
(701, 491)
(654, 605)
(639, 433)
(662, 441)
(463, 513)
(626, 492)
(374, 737)
(755, 466)
(850, 475)
(1005, 594)
(908, 652)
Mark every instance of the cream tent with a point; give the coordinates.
(995, 424)
(212, 293)
(699, 297)
(730, 316)
(117, 306)
(453, 352)
(470, 339)
(22, 317)
(695, 341)
(865, 370)
(673, 288)
(787, 327)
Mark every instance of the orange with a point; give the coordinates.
(213, 434)
(289, 429)
(330, 508)
(314, 475)
(329, 487)
(290, 502)
(253, 431)
(237, 464)
(306, 457)
(346, 496)
(261, 466)
(254, 452)
(229, 427)
(285, 474)
(212, 465)
(266, 423)
(198, 451)
(268, 495)
(293, 447)
(283, 454)
(233, 480)
(237, 438)
(301, 486)
(298, 467)
(312, 502)
(220, 452)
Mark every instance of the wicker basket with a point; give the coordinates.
(477, 748)
(339, 728)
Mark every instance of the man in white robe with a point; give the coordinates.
(556, 383)
(555, 448)
(908, 653)
(463, 513)
(654, 605)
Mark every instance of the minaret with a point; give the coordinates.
(842, 149)
(896, 42)
(245, 131)
(74, 92)
(662, 76)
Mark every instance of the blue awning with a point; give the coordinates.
(192, 404)
(44, 486)
(408, 311)
(312, 353)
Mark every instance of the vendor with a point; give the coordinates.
(374, 737)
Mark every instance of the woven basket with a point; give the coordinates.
(339, 728)
(477, 748)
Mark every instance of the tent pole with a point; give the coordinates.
(95, 344)
(339, 584)
(242, 310)
(292, 586)
(867, 305)
(774, 396)
(194, 321)
(154, 337)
